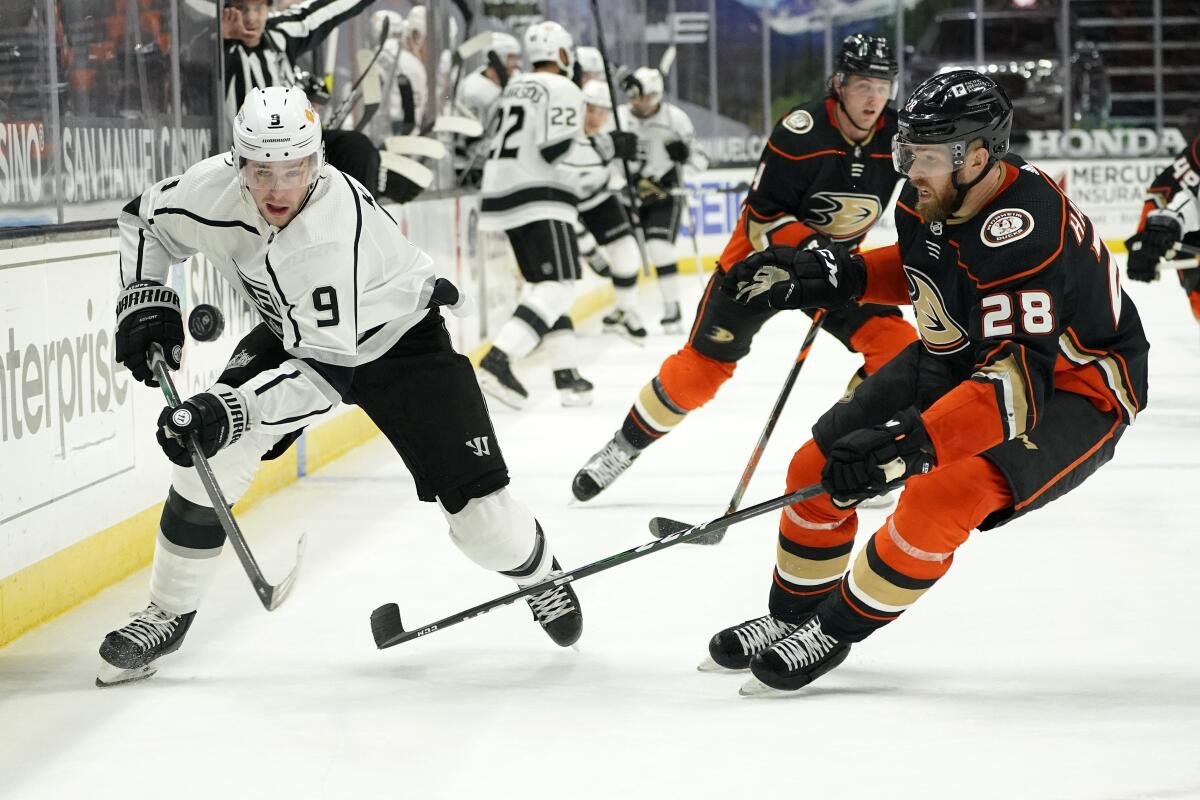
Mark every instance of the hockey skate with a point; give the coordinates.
(557, 611)
(672, 320)
(497, 379)
(795, 661)
(731, 649)
(603, 468)
(130, 653)
(573, 388)
(627, 324)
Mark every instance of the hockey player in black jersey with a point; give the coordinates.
(1170, 217)
(1030, 366)
(350, 313)
(825, 176)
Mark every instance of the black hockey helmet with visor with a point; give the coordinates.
(868, 56)
(941, 119)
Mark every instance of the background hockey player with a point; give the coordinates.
(261, 48)
(1030, 366)
(604, 231)
(1171, 216)
(406, 99)
(525, 195)
(825, 176)
(350, 314)
(666, 143)
(478, 94)
(591, 65)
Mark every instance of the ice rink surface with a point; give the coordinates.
(1060, 658)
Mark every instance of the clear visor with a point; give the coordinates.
(926, 160)
(265, 175)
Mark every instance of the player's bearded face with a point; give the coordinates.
(279, 187)
(929, 168)
(865, 98)
(644, 105)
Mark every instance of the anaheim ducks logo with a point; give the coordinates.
(939, 331)
(843, 216)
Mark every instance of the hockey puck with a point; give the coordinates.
(206, 322)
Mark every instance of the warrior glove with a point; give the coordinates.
(148, 314)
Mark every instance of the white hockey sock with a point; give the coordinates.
(560, 345)
(180, 575)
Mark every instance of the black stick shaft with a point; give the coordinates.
(270, 596)
(612, 94)
(780, 402)
(388, 638)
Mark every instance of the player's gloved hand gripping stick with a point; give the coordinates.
(270, 595)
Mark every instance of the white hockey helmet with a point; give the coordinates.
(278, 124)
(395, 20)
(595, 93)
(644, 82)
(589, 60)
(549, 41)
(504, 45)
(415, 22)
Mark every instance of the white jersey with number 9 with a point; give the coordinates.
(535, 122)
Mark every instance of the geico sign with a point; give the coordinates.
(1099, 143)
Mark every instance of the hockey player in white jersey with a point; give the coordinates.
(666, 143)
(403, 56)
(603, 229)
(478, 94)
(350, 312)
(539, 117)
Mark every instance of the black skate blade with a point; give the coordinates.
(662, 527)
(386, 624)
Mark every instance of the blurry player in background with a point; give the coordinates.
(825, 176)
(405, 101)
(478, 93)
(350, 312)
(591, 65)
(1170, 217)
(1031, 365)
(666, 143)
(603, 229)
(536, 124)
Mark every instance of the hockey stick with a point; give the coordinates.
(372, 89)
(345, 107)
(389, 630)
(629, 184)
(1181, 263)
(271, 596)
(660, 526)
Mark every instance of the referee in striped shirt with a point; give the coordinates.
(261, 48)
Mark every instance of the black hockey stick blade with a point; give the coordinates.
(662, 527)
(389, 631)
(385, 623)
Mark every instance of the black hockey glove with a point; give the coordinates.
(678, 151)
(625, 145)
(217, 418)
(1158, 240)
(148, 313)
(395, 186)
(874, 461)
(783, 277)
